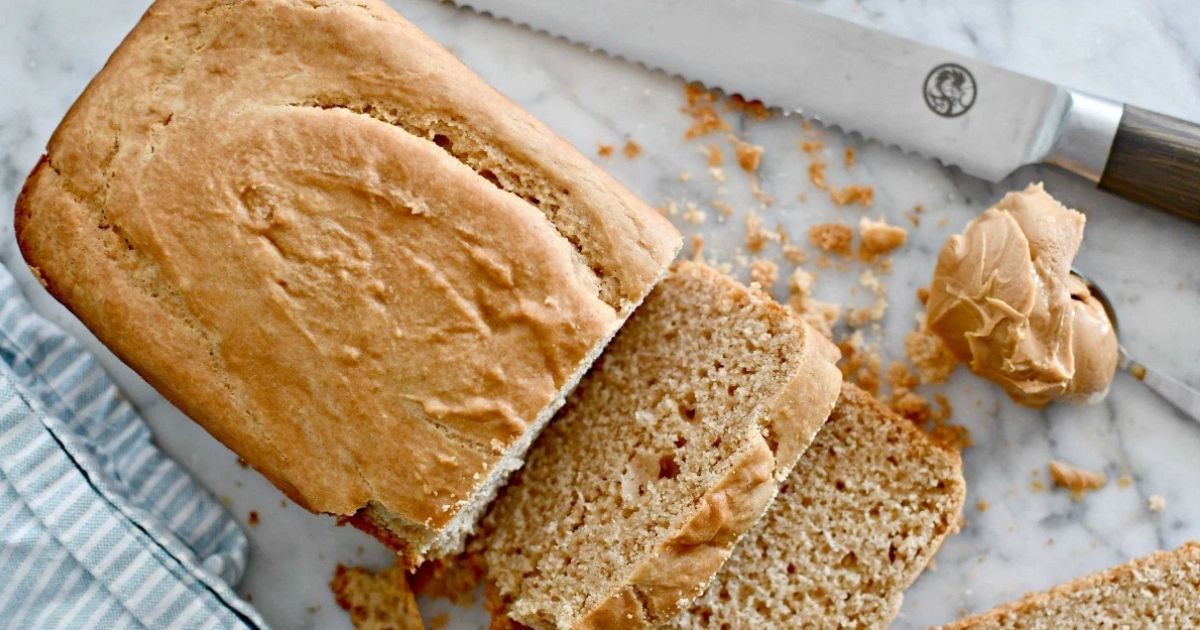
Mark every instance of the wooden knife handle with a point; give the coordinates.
(1155, 160)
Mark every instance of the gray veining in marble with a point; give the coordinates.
(1146, 52)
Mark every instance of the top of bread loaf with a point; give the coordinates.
(669, 449)
(861, 516)
(321, 236)
(1161, 590)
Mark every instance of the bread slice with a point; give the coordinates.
(858, 520)
(1161, 590)
(324, 239)
(668, 451)
(376, 601)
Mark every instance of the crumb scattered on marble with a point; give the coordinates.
(850, 195)
(694, 215)
(748, 155)
(723, 207)
(717, 173)
(439, 621)
(923, 295)
(757, 236)
(669, 209)
(715, 157)
(242, 462)
(929, 354)
(1157, 503)
(832, 237)
(982, 506)
(705, 119)
(794, 254)
(878, 237)
(698, 247)
(252, 520)
(632, 149)
(1124, 481)
(685, 176)
(604, 150)
(1077, 480)
(849, 157)
(764, 272)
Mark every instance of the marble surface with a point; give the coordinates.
(1146, 52)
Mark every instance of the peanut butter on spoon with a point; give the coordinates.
(1005, 302)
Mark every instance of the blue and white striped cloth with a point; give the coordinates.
(98, 528)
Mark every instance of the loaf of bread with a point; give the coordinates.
(858, 520)
(1161, 590)
(668, 451)
(323, 238)
(376, 601)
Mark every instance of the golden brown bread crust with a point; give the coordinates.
(1011, 613)
(341, 301)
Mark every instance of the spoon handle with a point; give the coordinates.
(1183, 396)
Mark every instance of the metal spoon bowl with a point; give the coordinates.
(1180, 394)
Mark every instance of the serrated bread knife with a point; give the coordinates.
(986, 120)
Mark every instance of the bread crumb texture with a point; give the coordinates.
(1157, 591)
(376, 601)
(877, 237)
(832, 237)
(665, 454)
(858, 520)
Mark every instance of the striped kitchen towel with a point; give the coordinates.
(98, 528)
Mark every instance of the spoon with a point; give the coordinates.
(1184, 397)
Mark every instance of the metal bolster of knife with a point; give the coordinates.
(1086, 135)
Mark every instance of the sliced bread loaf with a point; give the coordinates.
(1161, 590)
(861, 515)
(669, 449)
(326, 240)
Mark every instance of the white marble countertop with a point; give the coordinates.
(1145, 52)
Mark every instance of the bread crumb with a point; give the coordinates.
(705, 119)
(1124, 481)
(439, 621)
(698, 247)
(764, 272)
(1077, 480)
(794, 254)
(812, 147)
(717, 173)
(669, 209)
(849, 157)
(861, 364)
(929, 354)
(761, 195)
(604, 150)
(380, 599)
(632, 149)
(1157, 503)
(685, 176)
(861, 195)
(816, 174)
(923, 295)
(832, 237)
(757, 236)
(694, 215)
(252, 520)
(899, 376)
(822, 316)
(800, 283)
(715, 157)
(982, 506)
(1036, 485)
(877, 237)
(723, 207)
(748, 155)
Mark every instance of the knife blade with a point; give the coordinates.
(986, 120)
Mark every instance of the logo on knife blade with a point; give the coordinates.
(949, 90)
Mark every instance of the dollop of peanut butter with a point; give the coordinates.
(1004, 300)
